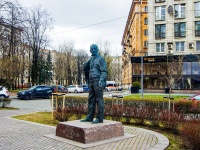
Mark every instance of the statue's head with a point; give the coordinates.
(94, 49)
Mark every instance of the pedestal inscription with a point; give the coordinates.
(85, 132)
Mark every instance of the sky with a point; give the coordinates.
(85, 21)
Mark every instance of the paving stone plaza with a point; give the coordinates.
(23, 135)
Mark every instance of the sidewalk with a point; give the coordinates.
(24, 135)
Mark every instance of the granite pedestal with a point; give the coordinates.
(85, 132)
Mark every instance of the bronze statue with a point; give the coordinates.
(96, 74)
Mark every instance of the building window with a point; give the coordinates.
(160, 47)
(179, 29)
(145, 44)
(160, 31)
(179, 11)
(145, 21)
(197, 9)
(198, 45)
(197, 28)
(160, 13)
(146, 32)
(159, 1)
(179, 46)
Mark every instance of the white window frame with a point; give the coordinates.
(180, 13)
(198, 46)
(180, 46)
(197, 9)
(159, 15)
(160, 47)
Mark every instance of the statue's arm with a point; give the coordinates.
(103, 70)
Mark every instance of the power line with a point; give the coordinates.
(89, 25)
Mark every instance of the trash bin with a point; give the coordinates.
(166, 90)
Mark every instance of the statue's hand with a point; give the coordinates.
(100, 83)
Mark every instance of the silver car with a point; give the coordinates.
(75, 88)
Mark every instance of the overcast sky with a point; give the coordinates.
(73, 14)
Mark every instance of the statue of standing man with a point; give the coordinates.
(96, 74)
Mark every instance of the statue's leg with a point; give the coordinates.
(91, 102)
(100, 102)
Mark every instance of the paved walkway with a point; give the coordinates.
(23, 135)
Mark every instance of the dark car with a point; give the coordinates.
(61, 89)
(36, 92)
(85, 88)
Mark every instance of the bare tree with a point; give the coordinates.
(104, 50)
(81, 57)
(11, 27)
(65, 62)
(38, 24)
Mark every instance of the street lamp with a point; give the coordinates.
(142, 75)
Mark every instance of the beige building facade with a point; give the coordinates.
(135, 39)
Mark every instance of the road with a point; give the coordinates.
(45, 104)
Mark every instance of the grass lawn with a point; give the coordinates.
(8, 108)
(46, 118)
(155, 96)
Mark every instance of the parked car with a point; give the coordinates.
(4, 93)
(85, 88)
(75, 88)
(194, 97)
(36, 92)
(61, 89)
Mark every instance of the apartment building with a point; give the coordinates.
(174, 27)
(134, 40)
(173, 40)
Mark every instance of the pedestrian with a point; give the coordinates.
(95, 74)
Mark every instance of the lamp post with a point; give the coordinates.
(142, 75)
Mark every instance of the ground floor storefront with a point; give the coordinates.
(161, 72)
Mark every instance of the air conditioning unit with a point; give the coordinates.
(191, 45)
(170, 46)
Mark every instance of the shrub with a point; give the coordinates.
(63, 114)
(136, 84)
(190, 132)
(171, 121)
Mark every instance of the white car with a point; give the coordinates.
(4, 93)
(75, 88)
